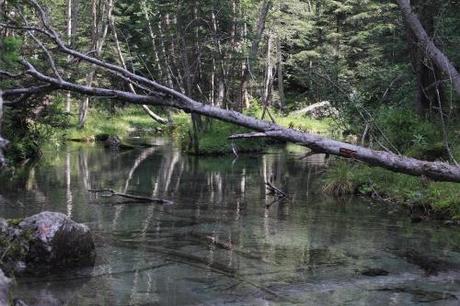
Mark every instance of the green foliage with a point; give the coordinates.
(10, 54)
(405, 130)
(28, 131)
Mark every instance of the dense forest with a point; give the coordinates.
(386, 69)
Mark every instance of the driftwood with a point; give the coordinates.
(154, 93)
(110, 193)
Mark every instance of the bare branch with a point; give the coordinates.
(10, 75)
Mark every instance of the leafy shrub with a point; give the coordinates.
(404, 129)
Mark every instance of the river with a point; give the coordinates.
(219, 243)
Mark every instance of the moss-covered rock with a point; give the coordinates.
(44, 242)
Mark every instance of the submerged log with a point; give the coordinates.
(111, 193)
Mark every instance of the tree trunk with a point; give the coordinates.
(279, 54)
(426, 92)
(269, 74)
(3, 142)
(69, 42)
(99, 34)
(246, 74)
(131, 87)
(222, 86)
(427, 45)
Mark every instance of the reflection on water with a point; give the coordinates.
(219, 243)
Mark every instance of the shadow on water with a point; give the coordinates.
(225, 240)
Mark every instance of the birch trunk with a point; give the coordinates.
(69, 42)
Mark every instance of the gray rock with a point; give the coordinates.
(57, 241)
(44, 242)
(4, 289)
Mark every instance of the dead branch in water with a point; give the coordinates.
(110, 193)
(275, 191)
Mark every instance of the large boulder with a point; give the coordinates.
(45, 242)
(319, 110)
(57, 241)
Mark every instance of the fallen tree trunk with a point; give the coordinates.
(428, 46)
(154, 93)
(435, 170)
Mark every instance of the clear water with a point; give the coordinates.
(219, 244)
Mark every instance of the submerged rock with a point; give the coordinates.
(374, 272)
(112, 142)
(45, 242)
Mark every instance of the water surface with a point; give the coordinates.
(219, 243)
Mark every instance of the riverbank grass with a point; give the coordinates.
(439, 199)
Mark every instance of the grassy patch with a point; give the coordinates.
(132, 119)
(345, 177)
